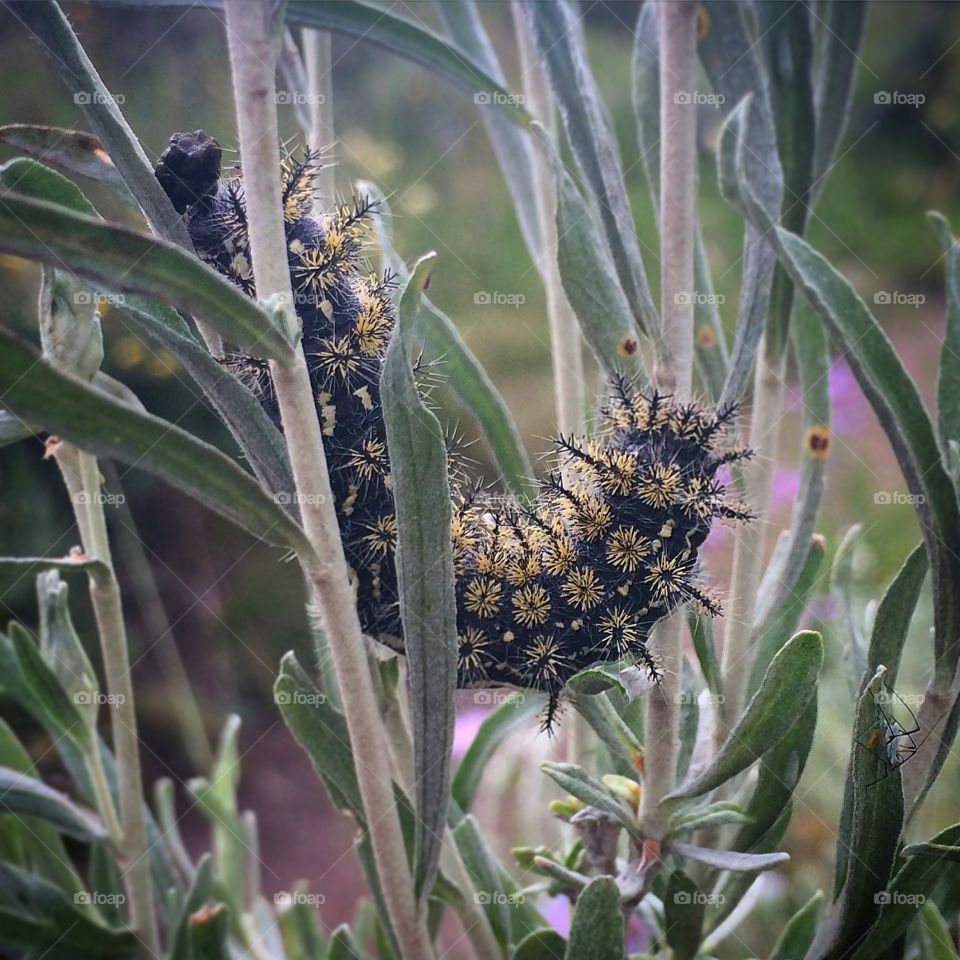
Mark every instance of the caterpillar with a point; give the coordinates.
(580, 577)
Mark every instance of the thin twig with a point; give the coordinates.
(674, 361)
(108, 611)
(252, 42)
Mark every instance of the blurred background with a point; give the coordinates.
(231, 608)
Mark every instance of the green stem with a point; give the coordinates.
(108, 611)
(252, 38)
(674, 361)
(748, 553)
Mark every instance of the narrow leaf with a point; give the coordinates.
(683, 908)
(558, 37)
(72, 152)
(27, 796)
(589, 278)
(322, 732)
(912, 884)
(948, 377)
(875, 827)
(425, 578)
(730, 859)
(844, 22)
(124, 259)
(799, 932)
(81, 414)
(787, 687)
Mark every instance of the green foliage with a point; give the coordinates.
(783, 86)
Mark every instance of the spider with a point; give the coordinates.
(894, 745)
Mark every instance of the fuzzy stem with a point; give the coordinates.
(319, 64)
(565, 342)
(674, 363)
(252, 42)
(108, 612)
(748, 553)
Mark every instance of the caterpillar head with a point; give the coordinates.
(189, 168)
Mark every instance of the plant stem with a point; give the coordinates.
(108, 611)
(566, 348)
(319, 64)
(674, 361)
(252, 42)
(748, 553)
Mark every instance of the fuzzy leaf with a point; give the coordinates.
(911, 885)
(783, 620)
(683, 915)
(86, 417)
(26, 796)
(875, 827)
(799, 932)
(787, 687)
(948, 378)
(126, 260)
(588, 276)
(425, 578)
(730, 859)
(436, 333)
(597, 929)
(576, 781)
(322, 732)
(541, 945)
(37, 920)
(730, 59)
(72, 152)
(558, 38)
(843, 22)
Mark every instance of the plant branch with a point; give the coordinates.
(566, 348)
(748, 553)
(252, 43)
(108, 611)
(674, 359)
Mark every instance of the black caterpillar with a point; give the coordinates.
(610, 546)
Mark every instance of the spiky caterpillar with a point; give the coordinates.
(611, 544)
